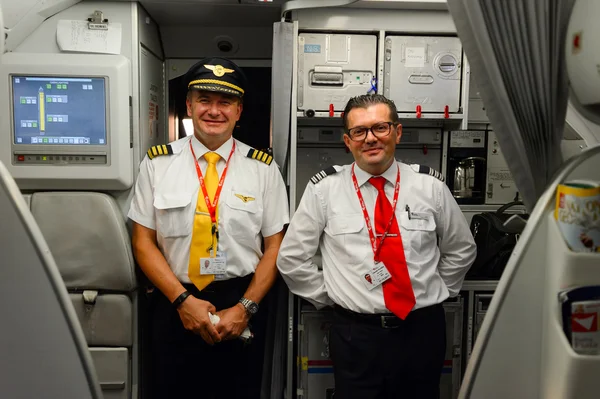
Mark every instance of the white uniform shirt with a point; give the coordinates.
(329, 218)
(166, 194)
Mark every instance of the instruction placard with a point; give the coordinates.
(74, 35)
(415, 57)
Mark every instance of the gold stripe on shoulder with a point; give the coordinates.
(158, 150)
(261, 156)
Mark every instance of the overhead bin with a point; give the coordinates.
(423, 74)
(332, 68)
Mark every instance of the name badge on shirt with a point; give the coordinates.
(376, 276)
(217, 265)
(417, 221)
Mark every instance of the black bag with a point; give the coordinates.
(495, 242)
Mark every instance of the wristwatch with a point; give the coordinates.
(251, 306)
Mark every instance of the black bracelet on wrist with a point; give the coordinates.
(181, 298)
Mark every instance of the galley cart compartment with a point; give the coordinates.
(332, 68)
(423, 71)
(482, 303)
(451, 373)
(316, 368)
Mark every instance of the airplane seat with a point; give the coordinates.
(43, 349)
(88, 238)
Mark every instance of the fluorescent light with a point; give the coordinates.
(188, 125)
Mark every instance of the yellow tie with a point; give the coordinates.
(202, 237)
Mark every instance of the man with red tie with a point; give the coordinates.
(397, 223)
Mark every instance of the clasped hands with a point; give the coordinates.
(194, 316)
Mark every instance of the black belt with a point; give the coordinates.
(384, 320)
(221, 285)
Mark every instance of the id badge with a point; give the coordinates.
(376, 276)
(217, 265)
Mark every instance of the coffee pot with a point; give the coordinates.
(465, 185)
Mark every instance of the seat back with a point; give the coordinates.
(43, 349)
(87, 235)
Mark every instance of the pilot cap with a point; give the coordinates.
(218, 75)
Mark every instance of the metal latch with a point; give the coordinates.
(89, 298)
(456, 351)
(97, 21)
(327, 76)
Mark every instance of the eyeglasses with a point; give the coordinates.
(379, 130)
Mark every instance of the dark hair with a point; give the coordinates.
(365, 101)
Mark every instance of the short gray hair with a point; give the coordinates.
(367, 100)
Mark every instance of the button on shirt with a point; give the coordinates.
(165, 199)
(329, 218)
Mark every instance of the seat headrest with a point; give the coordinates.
(88, 239)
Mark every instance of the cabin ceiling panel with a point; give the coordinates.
(209, 14)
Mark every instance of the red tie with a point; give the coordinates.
(397, 291)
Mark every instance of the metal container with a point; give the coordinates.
(464, 178)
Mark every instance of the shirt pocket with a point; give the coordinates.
(173, 214)
(352, 243)
(244, 214)
(418, 231)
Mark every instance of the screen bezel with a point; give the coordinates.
(62, 148)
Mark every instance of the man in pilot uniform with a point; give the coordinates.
(207, 200)
(397, 224)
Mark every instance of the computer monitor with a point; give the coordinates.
(69, 121)
(66, 110)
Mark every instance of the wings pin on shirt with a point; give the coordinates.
(244, 197)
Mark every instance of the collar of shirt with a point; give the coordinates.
(362, 177)
(200, 149)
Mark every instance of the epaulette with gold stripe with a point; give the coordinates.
(260, 156)
(157, 150)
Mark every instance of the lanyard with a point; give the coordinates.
(376, 246)
(212, 208)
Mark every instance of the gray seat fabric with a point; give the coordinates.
(27, 198)
(88, 238)
(99, 321)
(42, 349)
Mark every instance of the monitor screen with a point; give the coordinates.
(50, 110)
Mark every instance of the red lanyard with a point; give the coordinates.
(212, 208)
(376, 246)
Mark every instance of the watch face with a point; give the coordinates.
(253, 308)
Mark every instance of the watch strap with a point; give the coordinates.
(179, 300)
(248, 304)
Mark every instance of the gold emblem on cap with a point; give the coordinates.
(218, 70)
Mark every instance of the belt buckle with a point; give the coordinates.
(384, 322)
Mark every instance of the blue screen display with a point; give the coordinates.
(51, 110)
